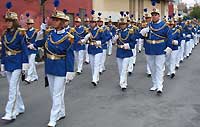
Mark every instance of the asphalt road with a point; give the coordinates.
(107, 106)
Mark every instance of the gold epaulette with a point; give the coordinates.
(131, 31)
(72, 30)
(47, 31)
(37, 30)
(101, 30)
(70, 37)
(22, 31)
(86, 29)
(135, 27)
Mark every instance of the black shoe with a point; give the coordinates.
(148, 75)
(176, 67)
(87, 62)
(172, 76)
(100, 73)
(129, 73)
(181, 61)
(63, 117)
(123, 89)
(94, 83)
(78, 73)
(159, 92)
(139, 51)
(133, 64)
(190, 53)
(187, 57)
(28, 82)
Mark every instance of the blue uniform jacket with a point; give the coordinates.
(97, 34)
(125, 36)
(176, 36)
(52, 45)
(158, 31)
(188, 31)
(107, 36)
(29, 38)
(13, 41)
(79, 34)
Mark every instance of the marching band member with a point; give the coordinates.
(182, 38)
(87, 25)
(104, 46)
(14, 63)
(126, 41)
(79, 49)
(188, 40)
(96, 40)
(113, 30)
(148, 20)
(29, 38)
(59, 61)
(172, 57)
(158, 43)
(132, 60)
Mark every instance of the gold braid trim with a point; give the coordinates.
(59, 41)
(92, 37)
(46, 47)
(13, 39)
(153, 29)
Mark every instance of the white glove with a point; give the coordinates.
(183, 35)
(43, 26)
(69, 77)
(115, 38)
(25, 67)
(175, 42)
(126, 46)
(98, 42)
(144, 31)
(31, 47)
(2, 68)
(189, 36)
(168, 50)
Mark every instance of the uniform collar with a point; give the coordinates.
(157, 22)
(124, 29)
(67, 27)
(31, 29)
(60, 31)
(95, 28)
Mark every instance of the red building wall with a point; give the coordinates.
(170, 9)
(34, 8)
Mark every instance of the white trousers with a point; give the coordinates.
(110, 42)
(132, 60)
(140, 44)
(182, 50)
(188, 47)
(95, 66)
(86, 54)
(103, 60)
(15, 103)
(148, 69)
(178, 57)
(79, 57)
(156, 64)
(57, 91)
(32, 73)
(123, 69)
(171, 62)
